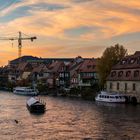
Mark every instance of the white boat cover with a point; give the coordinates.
(31, 101)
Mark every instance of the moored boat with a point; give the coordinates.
(25, 91)
(110, 97)
(35, 105)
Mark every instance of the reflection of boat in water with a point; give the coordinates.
(110, 97)
(110, 105)
(25, 91)
(35, 105)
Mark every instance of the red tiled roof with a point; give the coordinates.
(74, 69)
(21, 66)
(56, 66)
(88, 66)
(41, 67)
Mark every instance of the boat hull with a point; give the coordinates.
(35, 105)
(25, 91)
(110, 101)
(110, 98)
(36, 109)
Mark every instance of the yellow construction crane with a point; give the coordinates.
(19, 38)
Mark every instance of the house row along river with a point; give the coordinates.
(67, 119)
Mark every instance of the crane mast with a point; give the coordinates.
(19, 39)
(19, 45)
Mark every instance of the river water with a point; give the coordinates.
(67, 119)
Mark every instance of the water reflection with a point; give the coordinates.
(67, 119)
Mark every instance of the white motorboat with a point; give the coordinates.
(110, 97)
(25, 91)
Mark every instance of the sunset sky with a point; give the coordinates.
(68, 28)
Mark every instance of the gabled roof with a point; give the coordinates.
(88, 66)
(74, 70)
(22, 66)
(40, 68)
(56, 66)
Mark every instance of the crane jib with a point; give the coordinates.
(19, 38)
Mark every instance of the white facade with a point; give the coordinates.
(131, 88)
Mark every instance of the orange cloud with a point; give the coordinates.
(106, 19)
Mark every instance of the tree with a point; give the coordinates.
(110, 57)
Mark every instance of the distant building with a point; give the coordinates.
(87, 73)
(36, 60)
(39, 72)
(125, 76)
(74, 71)
(54, 71)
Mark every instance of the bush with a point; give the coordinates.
(42, 88)
(88, 93)
(74, 92)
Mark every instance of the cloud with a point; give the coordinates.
(50, 23)
(60, 23)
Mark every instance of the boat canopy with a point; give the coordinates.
(32, 101)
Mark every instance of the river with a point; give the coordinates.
(67, 119)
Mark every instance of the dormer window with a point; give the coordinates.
(138, 60)
(113, 73)
(128, 73)
(120, 73)
(132, 60)
(136, 73)
(123, 62)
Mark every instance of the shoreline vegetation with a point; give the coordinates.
(86, 93)
(83, 93)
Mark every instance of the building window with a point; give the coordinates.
(138, 60)
(136, 73)
(132, 60)
(125, 86)
(123, 62)
(120, 73)
(118, 86)
(134, 86)
(113, 73)
(110, 85)
(128, 73)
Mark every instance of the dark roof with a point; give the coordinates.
(45, 60)
(23, 59)
(129, 62)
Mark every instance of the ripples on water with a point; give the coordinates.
(67, 119)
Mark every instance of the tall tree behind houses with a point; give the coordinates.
(111, 56)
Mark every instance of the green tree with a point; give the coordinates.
(110, 57)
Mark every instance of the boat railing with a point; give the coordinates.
(42, 101)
